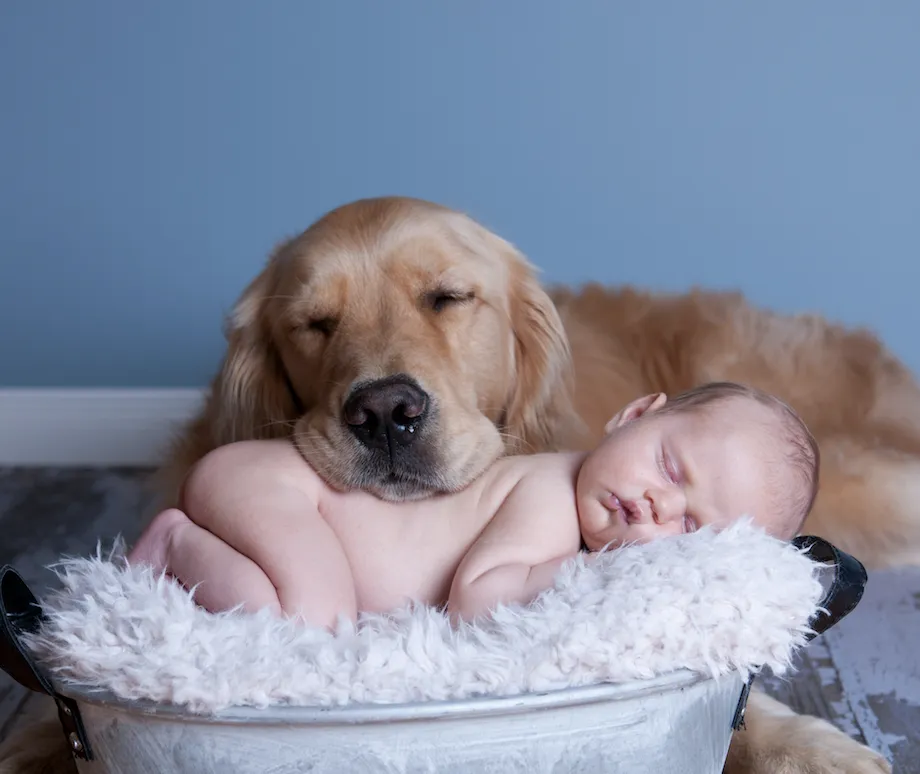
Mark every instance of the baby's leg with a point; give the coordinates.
(152, 547)
(193, 556)
(260, 498)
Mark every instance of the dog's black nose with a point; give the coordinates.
(385, 412)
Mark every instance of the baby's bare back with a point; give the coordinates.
(263, 499)
(411, 550)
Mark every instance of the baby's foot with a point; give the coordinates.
(152, 547)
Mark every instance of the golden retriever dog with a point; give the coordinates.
(404, 347)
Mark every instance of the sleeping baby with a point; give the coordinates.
(260, 528)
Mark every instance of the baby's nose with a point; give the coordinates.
(667, 505)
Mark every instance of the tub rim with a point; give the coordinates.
(371, 713)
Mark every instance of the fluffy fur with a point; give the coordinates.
(709, 602)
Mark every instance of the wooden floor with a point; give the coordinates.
(863, 675)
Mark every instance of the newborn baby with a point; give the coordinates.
(260, 528)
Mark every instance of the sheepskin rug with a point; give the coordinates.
(711, 602)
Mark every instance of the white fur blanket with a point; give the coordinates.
(709, 602)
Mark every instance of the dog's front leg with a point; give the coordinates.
(777, 740)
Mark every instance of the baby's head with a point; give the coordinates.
(706, 457)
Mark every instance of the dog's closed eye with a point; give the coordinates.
(441, 298)
(324, 326)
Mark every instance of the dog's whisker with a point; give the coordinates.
(277, 423)
(271, 422)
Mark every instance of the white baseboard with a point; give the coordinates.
(73, 427)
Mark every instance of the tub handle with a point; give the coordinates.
(21, 613)
(845, 590)
(844, 593)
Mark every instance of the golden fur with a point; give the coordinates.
(513, 368)
(518, 369)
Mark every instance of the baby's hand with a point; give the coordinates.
(506, 584)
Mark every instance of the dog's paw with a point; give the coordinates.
(817, 747)
(778, 741)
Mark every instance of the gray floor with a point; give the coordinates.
(863, 675)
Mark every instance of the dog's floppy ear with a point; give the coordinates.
(540, 415)
(251, 396)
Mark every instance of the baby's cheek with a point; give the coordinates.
(614, 536)
(642, 533)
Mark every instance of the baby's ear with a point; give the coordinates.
(636, 409)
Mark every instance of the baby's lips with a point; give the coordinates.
(613, 503)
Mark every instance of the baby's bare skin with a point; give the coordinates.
(291, 543)
(260, 528)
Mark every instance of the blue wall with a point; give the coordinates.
(151, 153)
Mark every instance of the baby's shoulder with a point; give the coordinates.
(549, 475)
(542, 500)
(552, 466)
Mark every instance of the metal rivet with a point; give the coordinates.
(75, 744)
(66, 710)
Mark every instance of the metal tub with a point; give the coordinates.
(676, 724)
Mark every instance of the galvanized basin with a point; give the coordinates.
(676, 724)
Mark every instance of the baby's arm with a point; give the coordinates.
(520, 551)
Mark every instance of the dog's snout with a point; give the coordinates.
(386, 411)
